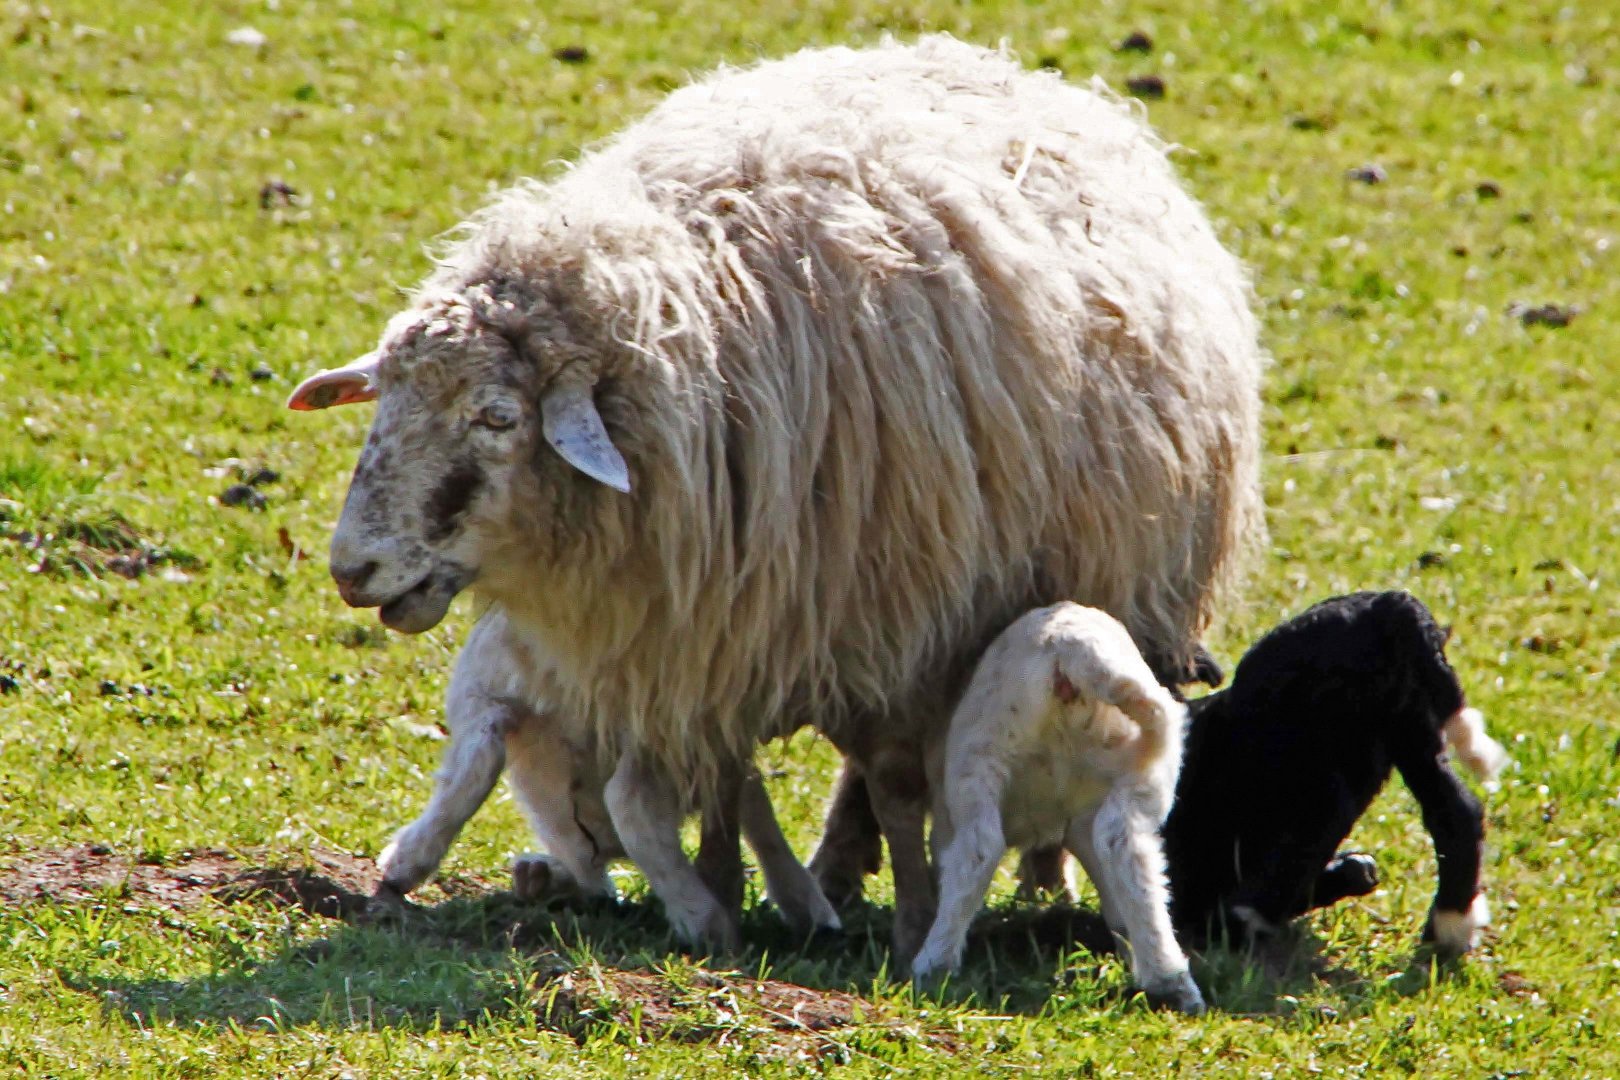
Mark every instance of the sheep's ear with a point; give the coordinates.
(354, 382)
(574, 428)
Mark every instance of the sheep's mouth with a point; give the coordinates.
(423, 605)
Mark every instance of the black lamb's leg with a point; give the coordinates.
(1349, 873)
(1456, 822)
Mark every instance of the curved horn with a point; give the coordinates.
(573, 427)
(354, 382)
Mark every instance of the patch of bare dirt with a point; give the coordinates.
(331, 884)
(779, 1019)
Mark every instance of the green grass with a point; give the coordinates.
(214, 693)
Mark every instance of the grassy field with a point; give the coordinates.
(201, 748)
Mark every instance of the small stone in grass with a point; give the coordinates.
(571, 54)
(243, 495)
(1367, 174)
(1553, 315)
(1147, 87)
(1135, 41)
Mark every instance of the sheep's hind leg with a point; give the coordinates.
(851, 840)
(1131, 861)
(719, 859)
(899, 792)
(472, 764)
(646, 812)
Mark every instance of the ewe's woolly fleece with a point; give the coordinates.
(915, 340)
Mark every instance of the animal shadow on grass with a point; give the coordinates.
(611, 969)
(343, 962)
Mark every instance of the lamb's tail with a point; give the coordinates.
(1159, 717)
(1483, 755)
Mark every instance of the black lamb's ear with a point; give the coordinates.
(1445, 635)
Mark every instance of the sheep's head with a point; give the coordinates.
(486, 411)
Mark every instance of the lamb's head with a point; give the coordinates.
(486, 421)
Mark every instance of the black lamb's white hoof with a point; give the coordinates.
(1456, 932)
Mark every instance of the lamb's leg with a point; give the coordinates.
(1131, 860)
(472, 764)
(1350, 873)
(1456, 822)
(851, 840)
(1040, 870)
(550, 783)
(966, 859)
(788, 884)
(899, 789)
(1081, 843)
(646, 812)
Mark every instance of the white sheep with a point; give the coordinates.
(1062, 737)
(499, 719)
(780, 404)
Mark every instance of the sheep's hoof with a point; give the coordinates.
(911, 926)
(1179, 993)
(719, 935)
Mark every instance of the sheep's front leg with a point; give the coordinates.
(899, 789)
(967, 855)
(1131, 861)
(472, 764)
(789, 885)
(646, 812)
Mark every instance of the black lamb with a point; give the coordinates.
(1280, 765)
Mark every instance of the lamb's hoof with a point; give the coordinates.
(387, 904)
(533, 878)
(1356, 873)
(1179, 993)
(1455, 933)
(928, 982)
(813, 921)
(1254, 926)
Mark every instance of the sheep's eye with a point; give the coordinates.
(498, 415)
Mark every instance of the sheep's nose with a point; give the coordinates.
(350, 579)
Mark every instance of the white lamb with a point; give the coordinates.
(1063, 736)
(499, 717)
